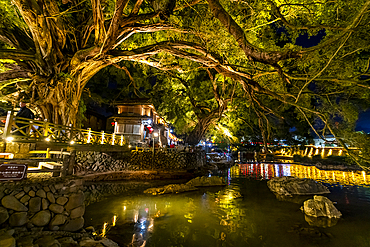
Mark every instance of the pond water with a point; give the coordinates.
(214, 216)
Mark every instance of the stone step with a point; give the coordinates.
(50, 165)
(38, 170)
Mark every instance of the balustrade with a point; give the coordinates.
(24, 129)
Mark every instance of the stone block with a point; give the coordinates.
(18, 219)
(73, 225)
(25, 199)
(7, 241)
(75, 200)
(41, 193)
(42, 218)
(62, 200)
(78, 212)
(58, 219)
(3, 215)
(32, 193)
(56, 208)
(19, 195)
(45, 204)
(34, 204)
(12, 203)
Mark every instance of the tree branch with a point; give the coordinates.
(136, 8)
(115, 23)
(252, 52)
(129, 31)
(13, 74)
(291, 26)
(16, 54)
(100, 32)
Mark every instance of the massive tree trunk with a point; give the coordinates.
(194, 137)
(58, 98)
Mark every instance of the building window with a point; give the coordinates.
(120, 128)
(128, 129)
(136, 129)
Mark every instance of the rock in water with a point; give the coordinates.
(320, 206)
(189, 186)
(206, 181)
(171, 188)
(323, 222)
(288, 186)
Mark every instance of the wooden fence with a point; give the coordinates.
(24, 129)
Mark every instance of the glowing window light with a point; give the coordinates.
(323, 152)
(330, 152)
(317, 151)
(47, 139)
(340, 152)
(121, 143)
(72, 142)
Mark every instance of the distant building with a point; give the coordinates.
(329, 141)
(138, 120)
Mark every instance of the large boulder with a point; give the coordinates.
(289, 186)
(189, 186)
(171, 188)
(323, 222)
(206, 181)
(320, 206)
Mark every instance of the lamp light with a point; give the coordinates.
(9, 139)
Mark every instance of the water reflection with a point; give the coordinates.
(268, 171)
(216, 216)
(244, 213)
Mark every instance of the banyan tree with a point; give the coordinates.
(49, 49)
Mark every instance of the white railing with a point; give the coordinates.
(24, 129)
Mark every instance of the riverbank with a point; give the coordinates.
(43, 209)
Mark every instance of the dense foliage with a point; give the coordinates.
(223, 63)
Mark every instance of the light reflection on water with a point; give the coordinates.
(219, 217)
(268, 171)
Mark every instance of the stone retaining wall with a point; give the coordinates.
(88, 162)
(55, 204)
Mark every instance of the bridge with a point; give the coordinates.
(48, 147)
(23, 129)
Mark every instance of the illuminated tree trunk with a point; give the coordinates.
(198, 132)
(58, 98)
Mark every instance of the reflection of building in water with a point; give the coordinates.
(268, 171)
